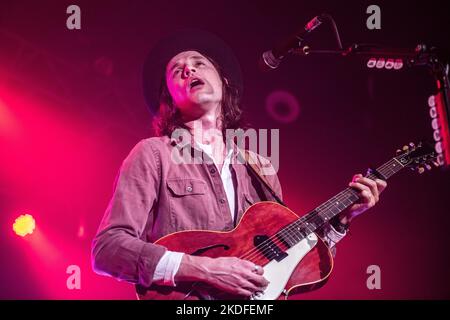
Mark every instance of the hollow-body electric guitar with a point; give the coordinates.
(294, 258)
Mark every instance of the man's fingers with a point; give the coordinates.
(356, 177)
(371, 184)
(243, 292)
(381, 185)
(253, 285)
(253, 273)
(258, 269)
(365, 192)
(258, 280)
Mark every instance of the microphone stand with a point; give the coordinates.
(422, 55)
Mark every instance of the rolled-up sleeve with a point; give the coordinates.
(330, 236)
(119, 248)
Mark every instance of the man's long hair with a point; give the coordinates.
(169, 117)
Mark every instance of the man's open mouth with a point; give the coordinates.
(195, 83)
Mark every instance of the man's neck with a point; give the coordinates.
(207, 128)
(206, 131)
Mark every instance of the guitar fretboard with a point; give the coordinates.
(300, 229)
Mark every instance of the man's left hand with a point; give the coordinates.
(369, 193)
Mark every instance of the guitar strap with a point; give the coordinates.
(251, 163)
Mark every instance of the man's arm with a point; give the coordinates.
(118, 249)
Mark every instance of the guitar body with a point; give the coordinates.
(303, 267)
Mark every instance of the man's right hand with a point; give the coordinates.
(229, 274)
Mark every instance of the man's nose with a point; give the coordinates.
(188, 70)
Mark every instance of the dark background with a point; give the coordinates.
(71, 108)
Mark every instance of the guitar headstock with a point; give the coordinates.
(418, 157)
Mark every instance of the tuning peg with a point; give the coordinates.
(398, 152)
(405, 148)
(412, 145)
(428, 166)
(435, 163)
(421, 170)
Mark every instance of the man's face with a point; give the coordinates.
(193, 83)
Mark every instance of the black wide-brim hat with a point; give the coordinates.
(190, 39)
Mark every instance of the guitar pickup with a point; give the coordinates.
(268, 248)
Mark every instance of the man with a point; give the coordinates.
(195, 81)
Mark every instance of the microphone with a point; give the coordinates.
(271, 59)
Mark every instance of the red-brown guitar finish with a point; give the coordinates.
(263, 218)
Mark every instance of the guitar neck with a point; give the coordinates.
(298, 230)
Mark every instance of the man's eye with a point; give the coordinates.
(199, 63)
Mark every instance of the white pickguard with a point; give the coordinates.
(278, 273)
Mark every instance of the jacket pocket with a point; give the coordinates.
(186, 187)
(190, 204)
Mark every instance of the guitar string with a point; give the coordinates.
(254, 252)
(287, 233)
(306, 218)
(295, 225)
(288, 230)
(263, 248)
